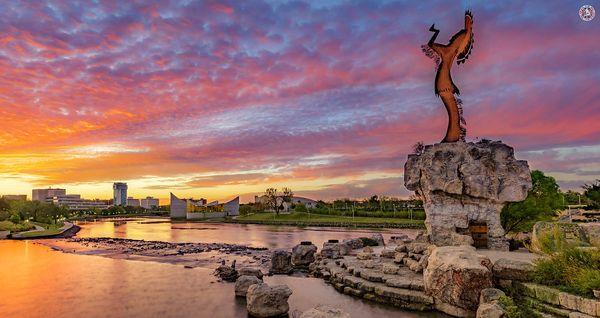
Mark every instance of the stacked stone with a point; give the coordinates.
(413, 254)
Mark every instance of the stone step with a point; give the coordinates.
(398, 292)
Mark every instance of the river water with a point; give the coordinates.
(36, 281)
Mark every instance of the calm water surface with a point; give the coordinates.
(36, 281)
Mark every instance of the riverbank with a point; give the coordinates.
(308, 219)
(66, 230)
(190, 255)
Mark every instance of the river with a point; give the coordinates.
(36, 281)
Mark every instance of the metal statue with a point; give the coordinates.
(458, 48)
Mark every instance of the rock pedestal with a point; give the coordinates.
(465, 185)
(455, 277)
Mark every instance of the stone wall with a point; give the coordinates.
(466, 183)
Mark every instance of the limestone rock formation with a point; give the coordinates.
(466, 184)
(281, 262)
(303, 255)
(455, 277)
(572, 233)
(512, 269)
(325, 311)
(263, 300)
(243, 283)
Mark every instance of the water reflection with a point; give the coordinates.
(38, 282)
(249, 234)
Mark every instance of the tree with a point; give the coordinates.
(272, 200)
(542, 202)
(287, 195)
(592, 193)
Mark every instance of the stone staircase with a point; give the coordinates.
(368, 279)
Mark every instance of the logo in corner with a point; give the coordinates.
(587, 13)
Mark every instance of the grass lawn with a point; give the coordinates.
(50, 229)
(327, 220)
(14, 228)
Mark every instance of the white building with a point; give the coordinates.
(149, 203)
(286, 206)
(75, 202)
(198, 209)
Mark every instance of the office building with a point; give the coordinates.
(133, 202)
(120, 193)
(149, 203)
(43, 194)
(75, 202)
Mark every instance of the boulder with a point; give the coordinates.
(490, 310)
(378, 237)
(263, 300)
(303, 255)
(281, 262)
(466, 183)
(250, 271)
(387, 253)
(334, 250)
(417, 248)
(390, 269)
(456, 275)
(489, 295)
(399, 239)
(243, 283)
(354, 243)
(226, 273)
(399, 258)
(512, 269)
(325, 311)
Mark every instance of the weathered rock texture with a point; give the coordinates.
(303, 255)
(281, 262)
(464, 184)
(455, 277)
(325, 311)
(243, 283)
(263, 300)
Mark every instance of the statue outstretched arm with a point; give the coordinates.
(434, 36)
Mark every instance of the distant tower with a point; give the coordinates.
(120, 193)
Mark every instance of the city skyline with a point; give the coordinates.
(220, 100)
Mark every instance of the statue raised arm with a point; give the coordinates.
(459, 47)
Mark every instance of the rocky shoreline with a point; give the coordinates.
(189, 255)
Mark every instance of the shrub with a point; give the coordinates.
(300, 207)
(368, 241)
(573, 269)
(15, 218)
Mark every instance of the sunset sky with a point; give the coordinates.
(216, 99)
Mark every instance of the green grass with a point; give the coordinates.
(302, 219)
(14, 228)
(41, 233)
(574, 270)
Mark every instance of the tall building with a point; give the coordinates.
(43, 194)
(120, 193)
(149, 203)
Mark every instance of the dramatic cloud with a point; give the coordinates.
(215, 99)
